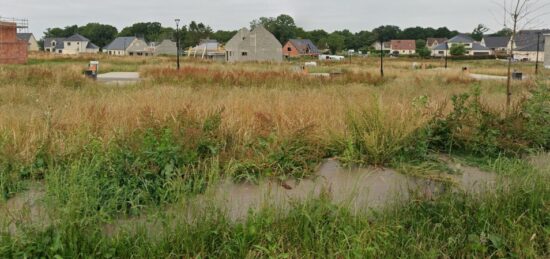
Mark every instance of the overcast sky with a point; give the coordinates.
(330, 15)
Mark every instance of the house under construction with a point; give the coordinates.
(208, 49)
(12, 49)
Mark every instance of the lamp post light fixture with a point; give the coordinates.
(177, 43)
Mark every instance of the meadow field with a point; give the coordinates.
(89, 169)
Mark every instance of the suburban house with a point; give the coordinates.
(526, 45)
(300, 47)
(139, 47)
(403, 47)
(256, 45)
(472, 47)
(76, 44)
(433, 42)
(119, 46)
(31, 41)
(12, 49)
(547, 51)
(166, 47)
(378, 47)
(208, 49)
(498, 44)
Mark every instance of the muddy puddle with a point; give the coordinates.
(25, 209)
(359, 189)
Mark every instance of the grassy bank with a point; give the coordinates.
(104, 152)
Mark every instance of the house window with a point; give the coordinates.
(442, 52)
(53, 43)
(244, 54)
(59, 51)
(289, 49)
(78, 43)
(68, 44)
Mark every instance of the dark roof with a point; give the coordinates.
(120, 43)
(431, 41)
(91, 45)
(477, 46)
(302, 45)
(77, 37)
(441, 46)
(58, 43)
(526, 40)
(494, 42)
(461, 38)
(24, 36)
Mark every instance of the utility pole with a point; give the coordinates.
(538, 49)
(177, 43)
(381, 57)
(446, 55)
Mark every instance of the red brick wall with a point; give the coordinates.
(12, 50)
(293, 51)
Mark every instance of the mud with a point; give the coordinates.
(24, 210)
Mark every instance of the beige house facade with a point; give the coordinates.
(31, 41)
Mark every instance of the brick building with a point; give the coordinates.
(12, 49)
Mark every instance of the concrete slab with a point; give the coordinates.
(119, 77)
(487, 77)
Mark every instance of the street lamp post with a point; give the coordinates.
(177, 43)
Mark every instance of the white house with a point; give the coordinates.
(472, 47)
(119, 46)
(403, 47)
(526, 45)
(76, 44)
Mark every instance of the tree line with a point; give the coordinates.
(283, 28)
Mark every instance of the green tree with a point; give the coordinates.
(61, 32)
(457, 50)
(223, 36)
(150, 31)
(422, 50)
(283, 26)
(99, 34)
(336, 42)
(195, 33)
(386, 32)
(505, 32)
(479, 31)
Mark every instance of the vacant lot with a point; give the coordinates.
(79, 160)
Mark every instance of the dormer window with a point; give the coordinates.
(53, 43)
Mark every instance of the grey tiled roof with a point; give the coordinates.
(58, 43)
(527, 40)
(461, 38)
(477, 46)
(303, 44)
(494, 42)
(442, 46)
(91, 45)
(120, 43)
(24, 36)
(77, 37)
